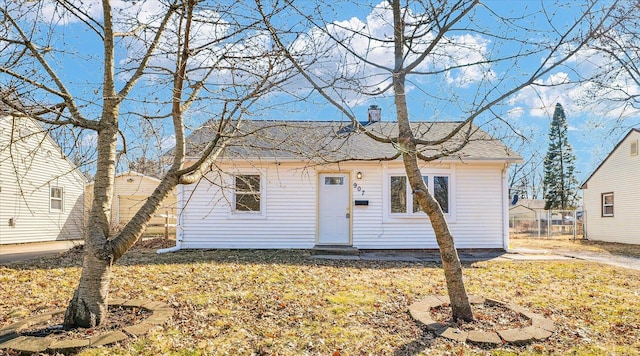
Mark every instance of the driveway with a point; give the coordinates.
(22, 252)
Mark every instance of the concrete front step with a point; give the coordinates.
(335, 250)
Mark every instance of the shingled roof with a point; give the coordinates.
(333, 141)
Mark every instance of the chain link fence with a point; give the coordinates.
(546, 224)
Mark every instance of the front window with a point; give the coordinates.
(402, 200)
(398, 194)
(56, 198)
(441, 192)
(607, 204)
(416, 205)
(247, 193)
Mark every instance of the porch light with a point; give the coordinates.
(359, 175)
(374, 113)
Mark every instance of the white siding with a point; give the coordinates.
(28, 168)
(475, 218)
(289, 220)
(620, 174)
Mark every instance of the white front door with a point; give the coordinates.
(334, 210)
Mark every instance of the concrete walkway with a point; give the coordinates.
(605, 258)
(481, 255)
(27, 251)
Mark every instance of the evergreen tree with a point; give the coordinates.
(560, 183)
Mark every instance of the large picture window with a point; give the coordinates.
(247, 193)
(401, 197)
(56, 199)
(607, 204)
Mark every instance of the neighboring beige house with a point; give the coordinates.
(275, 189)
(611, 195)
(529, 208)
(131, 190)
(41, 191)
(525, 217)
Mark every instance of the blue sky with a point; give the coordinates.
(594, 127)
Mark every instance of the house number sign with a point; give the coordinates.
(358, 188)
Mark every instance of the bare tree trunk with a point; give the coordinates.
(88, 307)
(460, 305)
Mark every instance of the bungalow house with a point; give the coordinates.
(611, 195)
(130, 191)
(41, 191)
(303, 184)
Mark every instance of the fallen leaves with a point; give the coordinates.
(276, 302)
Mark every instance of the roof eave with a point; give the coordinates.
(509, 160)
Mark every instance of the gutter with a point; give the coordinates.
(505, 210)
(179, 231)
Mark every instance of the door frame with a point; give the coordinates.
(349, 204)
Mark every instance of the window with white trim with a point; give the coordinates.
(56, 198)
(247, 197)
(607, 204)
(401, 197)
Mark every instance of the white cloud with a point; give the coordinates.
(462, 57)
(581, 92)
(76, 11)
(53, 12)
(89, 139)
(516, 112)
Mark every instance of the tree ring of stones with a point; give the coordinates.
(10, 338)
(540, 328)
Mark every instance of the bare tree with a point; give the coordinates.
(619, 43)
(439, 52)
(187, 56)
(146, 157)
(526, 179)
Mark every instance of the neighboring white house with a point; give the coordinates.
(274, 189)
(611, 195)
(41, 191)
(130, 191)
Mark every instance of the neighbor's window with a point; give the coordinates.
(247, 189)
(401, 197)
(607, 204)
(55, 197)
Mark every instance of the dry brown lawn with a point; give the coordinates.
(230, 302)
